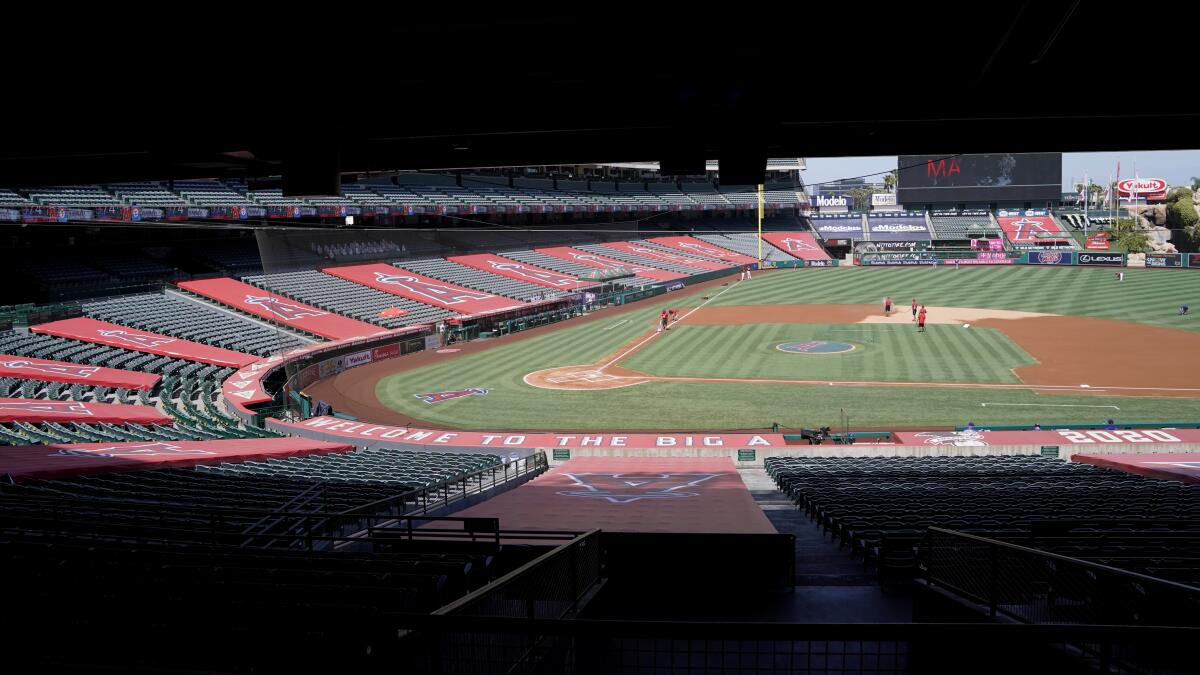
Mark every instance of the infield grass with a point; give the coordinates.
(1147, 296)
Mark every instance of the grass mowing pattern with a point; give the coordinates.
(885, 352)
(1146, 296)
(1149, 296)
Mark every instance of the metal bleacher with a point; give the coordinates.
(350, 299)
(964, 227)
(193, 321)
(747, 244)
(470, 277)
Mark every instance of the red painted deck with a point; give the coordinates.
(1167, 466)
(631, 495)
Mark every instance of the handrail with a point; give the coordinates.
(1174, 585)
(539, 462)
(513, 576)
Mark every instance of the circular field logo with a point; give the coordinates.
(815, 347)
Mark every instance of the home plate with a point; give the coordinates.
(1086, 386)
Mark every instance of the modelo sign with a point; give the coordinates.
(888, 199)
(1106, 259)
(1151, 189)
(832, 202)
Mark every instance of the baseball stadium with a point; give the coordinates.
(481, 342)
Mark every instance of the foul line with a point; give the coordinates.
(1054, 405)
(680, 319)
(616, 324)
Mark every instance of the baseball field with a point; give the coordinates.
(1003, 345)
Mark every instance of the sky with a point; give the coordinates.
(1175, 166)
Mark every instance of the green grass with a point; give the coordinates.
(1147, 296)
(883, 352)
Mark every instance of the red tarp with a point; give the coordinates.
(512, 269)
(424, 289)
(631, 494)
(1167, 466)
(1073, 437)
(799, 244)
(38, 410)
(56, 461)
(101, 332)
(1031, 229)
(29, 368)
(704, 249)
(657, 254)
(279, 309)
(600, 262)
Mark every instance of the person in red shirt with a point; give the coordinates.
(921, 320)
(887, 306)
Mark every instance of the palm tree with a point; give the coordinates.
(889, 181)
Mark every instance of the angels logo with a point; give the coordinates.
(610, 265)
(651, 253)
(1026, 227)
(532, 274)
(1050, 258)
(49, 407)
(962, 439)
(790, 244)
(625, 488)
(438, 397)
(54, 368)
(139, 339)
(141, 449)
(704, 250)
(288, 311)
(436, 292)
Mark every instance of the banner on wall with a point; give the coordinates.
(1164, 260)
(1104, 259)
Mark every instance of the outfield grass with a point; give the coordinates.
(1146, 296)
(883, 352)
(1149, 296)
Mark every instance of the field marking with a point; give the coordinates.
(616, 324)
(1054, 405)
(680, 319)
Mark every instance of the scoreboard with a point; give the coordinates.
(1012, 177)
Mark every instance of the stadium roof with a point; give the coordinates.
(253, 91)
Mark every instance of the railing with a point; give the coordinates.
(549, 587)
(736, 648)
(1031, 586)
(439, 495)
(148, 523)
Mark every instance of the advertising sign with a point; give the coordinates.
(1106, 259)
(1097, 242)
(1048, 258)
(1150, 189)
(1164, 260)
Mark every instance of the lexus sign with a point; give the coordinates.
(1151, 189)
(1108, 259)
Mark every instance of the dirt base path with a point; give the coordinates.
(1077, 355)
(353, 391)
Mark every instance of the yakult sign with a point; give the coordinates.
(1150, 189)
